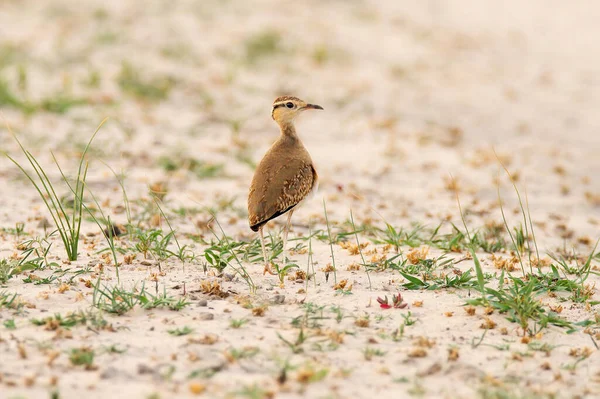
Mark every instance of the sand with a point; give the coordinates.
(423, 101)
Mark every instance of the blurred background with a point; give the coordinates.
(413, 92)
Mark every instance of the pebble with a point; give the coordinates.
(144, 369)
(206, 316)
(111, 372)
(202, 302)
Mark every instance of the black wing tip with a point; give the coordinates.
(257, 226)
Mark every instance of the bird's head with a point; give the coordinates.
(286, 108)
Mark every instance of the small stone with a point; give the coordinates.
(146, 263)
(202, 302)
(114, 230)
(144, 369)
(206, 316)
(111, 372)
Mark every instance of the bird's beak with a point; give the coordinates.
(312, 106)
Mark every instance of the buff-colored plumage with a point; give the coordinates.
(285, 175)
(282, 180)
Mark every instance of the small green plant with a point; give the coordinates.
(222, 253)
(488, 239)
(119, 301)
(509, 392)
(58, 103)
(460, 281)
(295, 346)
(181, 331)
(360, 249)
(34, 256)
(202, 169)
(520, 302)
(57, 320)
(115, 300)
(82, 357)
(146, 240)
(10, 324)
(9, 301)
(283, 270)
(133, 84)
(330, 244)
(160, 247)
(35, 280)
(251, 392)
(580, 291)
(93, 320)
(17, 231)
(521, 238)
(149, 301)
(408, 319)
(311, 318)
(67, 219)
(311, 374)
(339, 313)
(237, 323)
(183, 253)
(244, 353)
(369, 353)
(478, 269)
(40, 248)
(542, 347)
(12, 267)
(399, 237)
(9, 99)
(113, 349)
(262, 44)
(206, 372)
(61, 103)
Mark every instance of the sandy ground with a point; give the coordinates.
(414, 93)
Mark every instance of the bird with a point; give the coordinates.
(285, 176)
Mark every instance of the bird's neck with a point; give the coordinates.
(288, 131)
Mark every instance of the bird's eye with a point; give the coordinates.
(289, 105)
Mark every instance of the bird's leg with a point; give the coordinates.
(286, 230)
(264, 250)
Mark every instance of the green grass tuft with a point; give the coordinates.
(133, 84)
(262, 45)
(67, 219)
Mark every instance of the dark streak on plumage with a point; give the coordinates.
(286, 98)
(275, 106)
(280, 102)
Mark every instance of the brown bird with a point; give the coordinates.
(285, 175)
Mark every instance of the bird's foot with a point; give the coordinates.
(268, 269)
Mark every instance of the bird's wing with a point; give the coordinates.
(278, 189)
